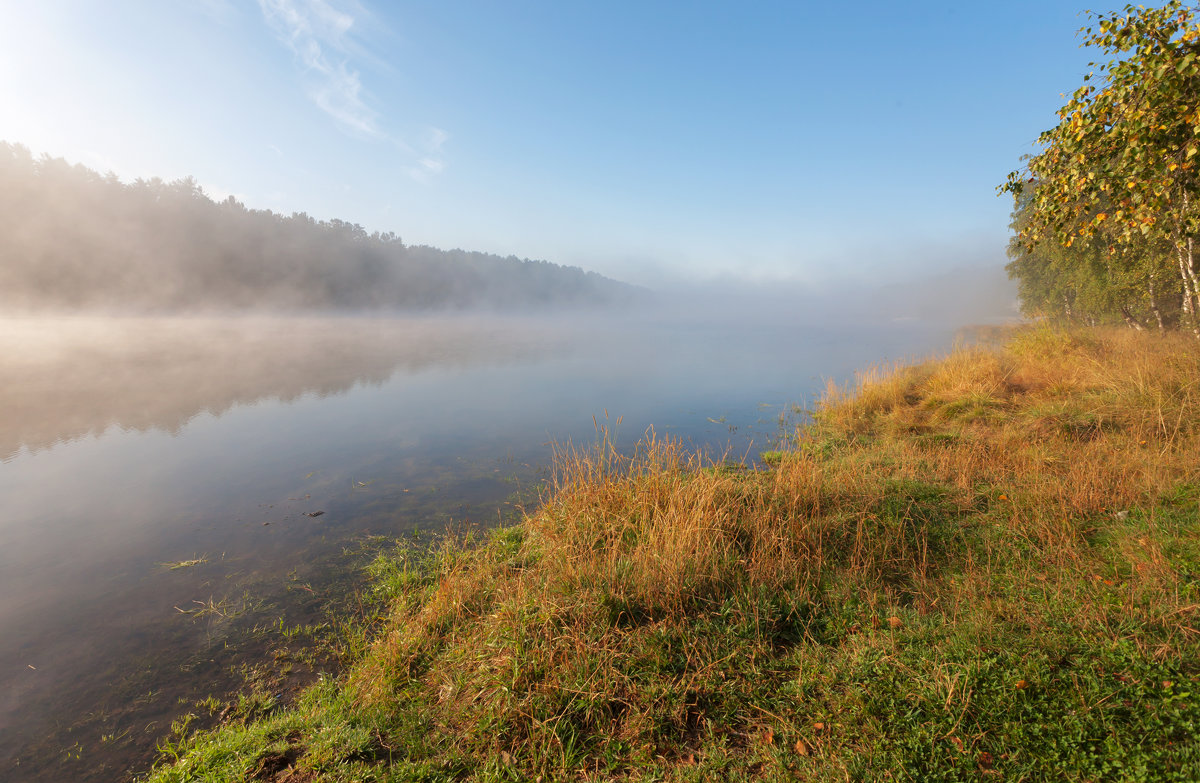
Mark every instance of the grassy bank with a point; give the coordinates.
(983, 567)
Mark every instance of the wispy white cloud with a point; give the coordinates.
(321, 36)
(324, 36)
(435, 138)
(340, 96)
(429, 154)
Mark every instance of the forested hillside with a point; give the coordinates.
(72, 238)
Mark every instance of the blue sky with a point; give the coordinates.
(651, 141)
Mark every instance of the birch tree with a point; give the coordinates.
(1095, 281)
(1120, 168)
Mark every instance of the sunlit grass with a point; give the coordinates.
(987, 565)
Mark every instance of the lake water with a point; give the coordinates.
(131, 444)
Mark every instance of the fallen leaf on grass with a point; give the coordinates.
(801, 747)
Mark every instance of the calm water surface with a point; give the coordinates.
(130, 444)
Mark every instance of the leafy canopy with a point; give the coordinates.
(1122, 160)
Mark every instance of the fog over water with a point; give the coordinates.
(127, 443)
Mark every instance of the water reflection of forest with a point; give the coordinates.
(62, 379)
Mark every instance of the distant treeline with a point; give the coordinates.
(73, 238)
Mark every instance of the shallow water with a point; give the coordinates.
(130, 444)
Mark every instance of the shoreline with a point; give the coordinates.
(981, 564)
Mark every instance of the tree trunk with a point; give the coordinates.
(1130, 321)
(1189, 286)
(1187, 270)
(1154, 307)
(1191, 274)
